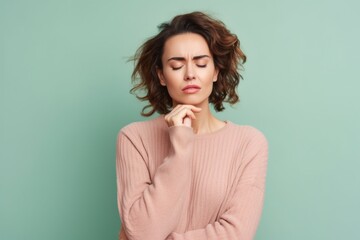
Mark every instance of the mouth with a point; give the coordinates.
(191, 89)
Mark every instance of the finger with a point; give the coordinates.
(193, 108)
(187, 121)
(178, 118)
(180, 111)
(176, 111)
(186, 107)
(185, 112)
(190, 114)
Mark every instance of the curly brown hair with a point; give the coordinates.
(223, 45)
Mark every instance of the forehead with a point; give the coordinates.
(186, 44)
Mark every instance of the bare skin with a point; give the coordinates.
(194, 117)
(187, 61)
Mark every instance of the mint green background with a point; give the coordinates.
(64, 95)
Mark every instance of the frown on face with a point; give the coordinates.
(188, 69)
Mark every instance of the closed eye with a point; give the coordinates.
(176, 68)
(201, 66)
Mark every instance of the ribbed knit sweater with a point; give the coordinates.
(173, 184)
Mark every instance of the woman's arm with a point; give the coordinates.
(240, 220)
(151, 209)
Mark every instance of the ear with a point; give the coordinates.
(216, 75)
(161, 76)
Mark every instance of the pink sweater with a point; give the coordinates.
(173, 184)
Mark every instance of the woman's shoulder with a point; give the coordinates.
(248, 131)
(248, 138)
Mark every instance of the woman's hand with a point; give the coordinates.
(181, 115)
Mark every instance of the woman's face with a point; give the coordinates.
(188, 69)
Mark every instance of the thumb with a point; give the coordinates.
(187, 121)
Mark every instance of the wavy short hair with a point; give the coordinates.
(223, 45)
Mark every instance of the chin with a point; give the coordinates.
(188, 102)
(195, 100)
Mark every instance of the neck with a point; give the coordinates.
(205, 122)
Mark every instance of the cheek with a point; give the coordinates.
(172, 77)
(172, 81)
(208, 77)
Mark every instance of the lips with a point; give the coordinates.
(191, 89)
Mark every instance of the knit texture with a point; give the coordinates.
(173, 184)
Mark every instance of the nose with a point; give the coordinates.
(189, 73)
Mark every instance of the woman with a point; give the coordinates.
(187, 174)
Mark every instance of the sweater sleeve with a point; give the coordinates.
(243, 212)
(151, 208)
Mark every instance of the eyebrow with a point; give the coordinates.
(183, 59)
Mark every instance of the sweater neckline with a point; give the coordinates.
(206, 135)
(214, 133)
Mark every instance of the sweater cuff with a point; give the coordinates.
(181, 137)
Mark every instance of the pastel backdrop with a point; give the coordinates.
(64, 95)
